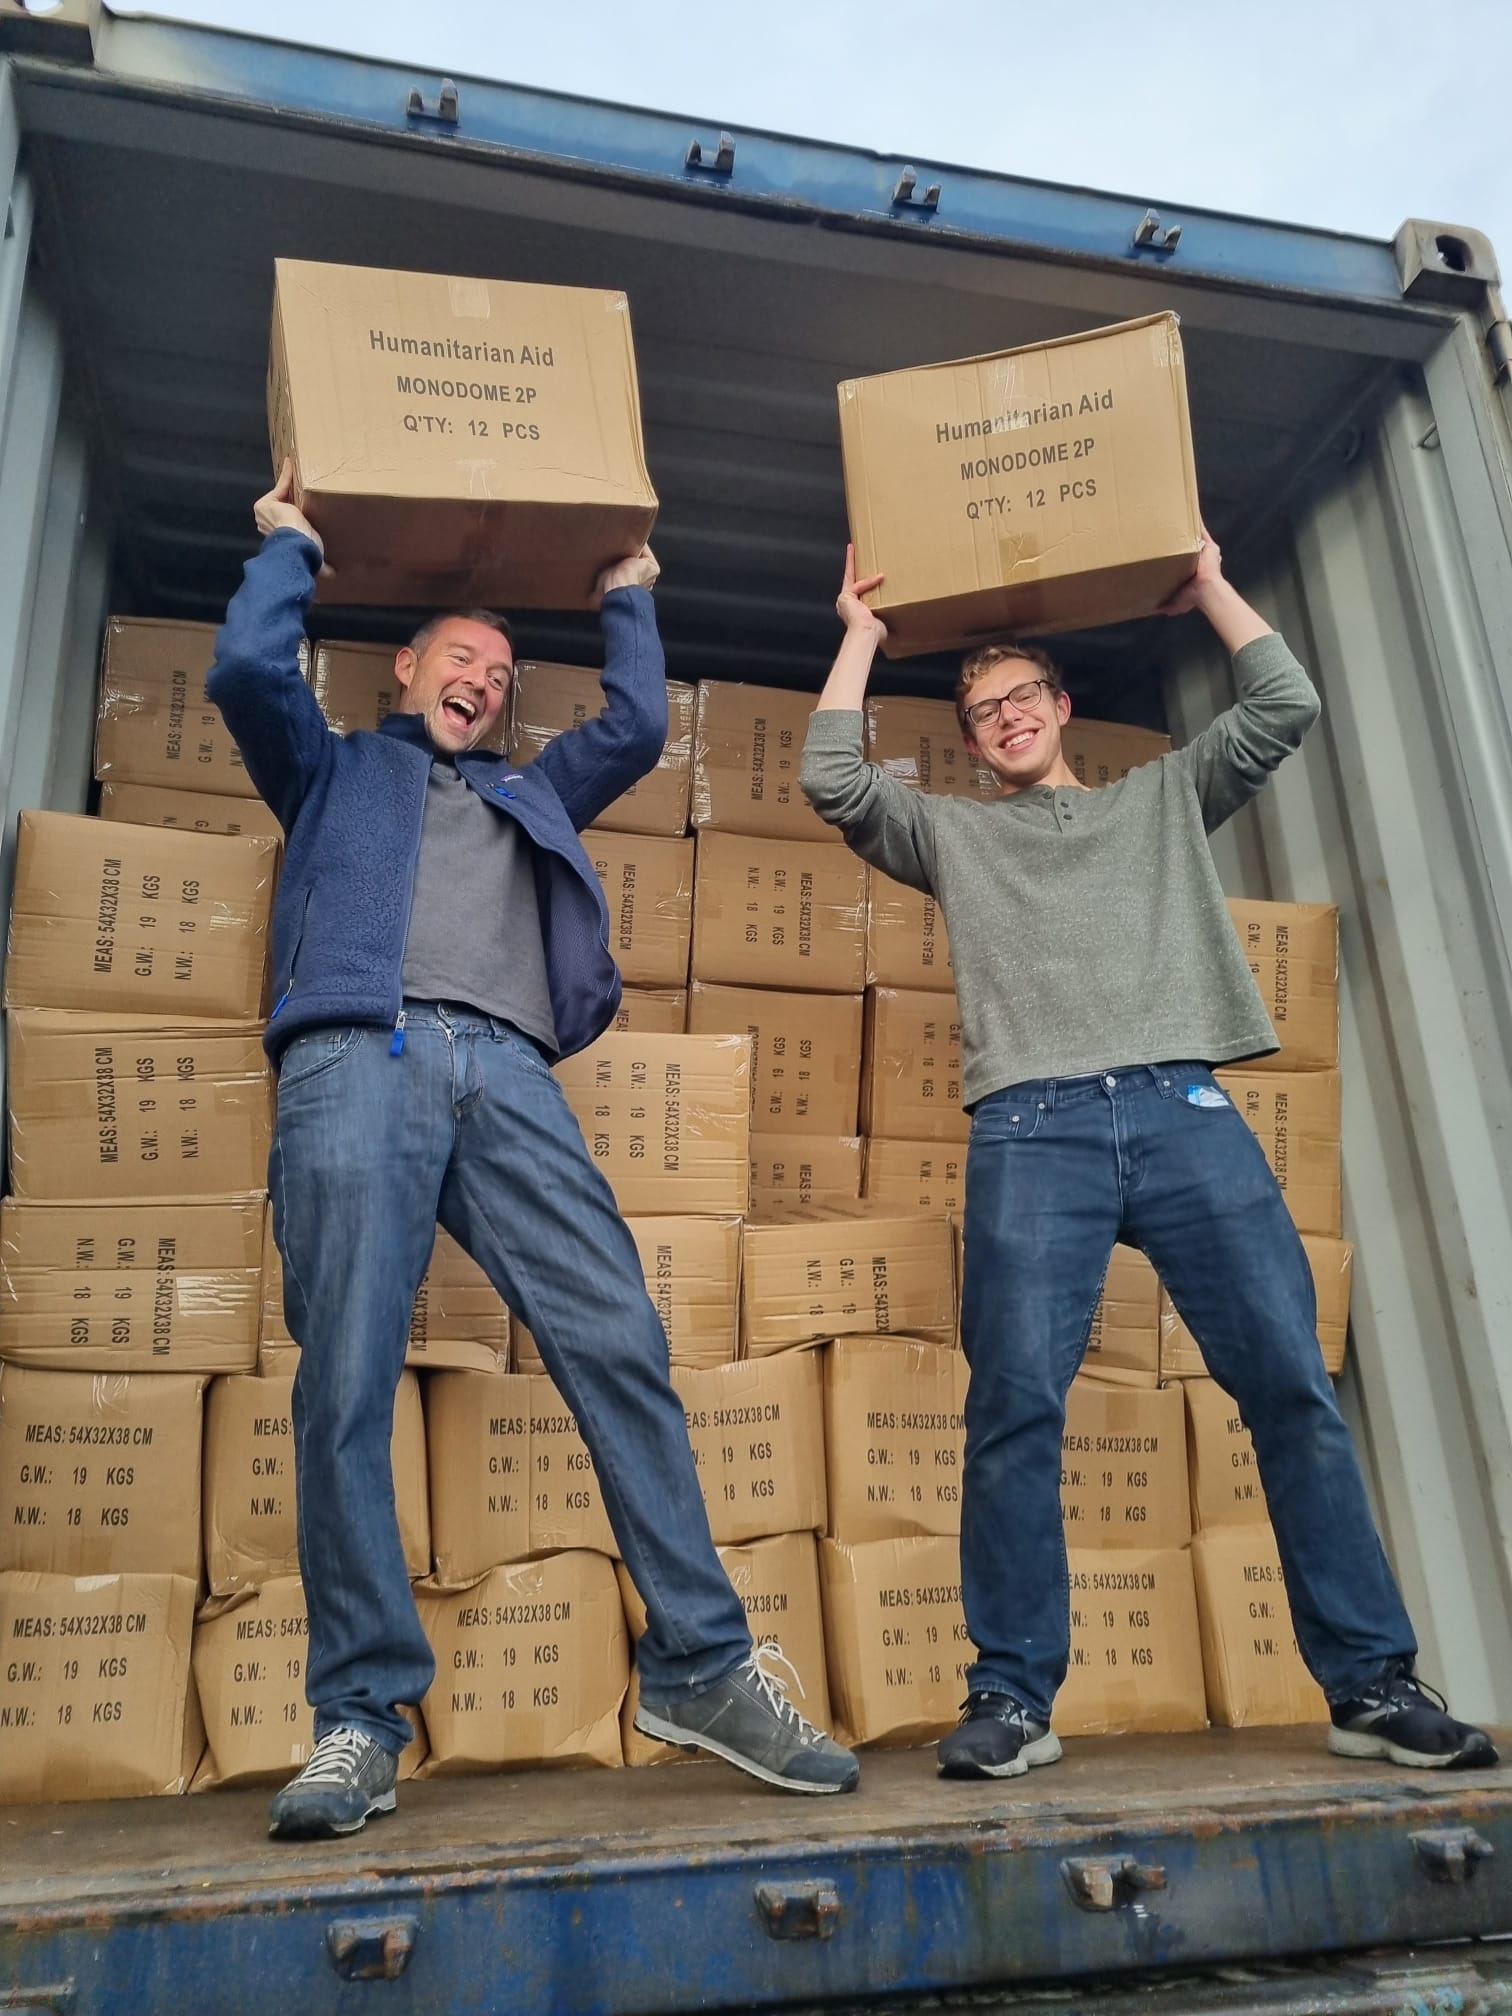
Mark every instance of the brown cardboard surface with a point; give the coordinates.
(906, 944)
(523, 473)
(100, 1475)
(653, 1011)
(1100, 752)
(777, 1581)
(895, 1438)
(648, 884)
(1297, 1118)
(824, 1274)
(156, 724)
(1332, 1263)
(125, 1288)
(918, 743)
(927, 1175)
(532, 1663)
(130, 1107)
(548, 700)
(477, 1427)
(1124, 1468)
(250, 1534)
(1255, 1674)
(667, 1119)
(747, 748)
(1123, 1348)
(895, 1638)
(566, 1498)
(1045, 488)
(187, 811)
(1136, 1656)
(911, 1078)
(778, 913)
(790, 1170)
(249, 1671)
(757, 1434)
(138, 919)
(96, 1674)
(692, 1272)
(1226, 1487)
(1293, 952)
(805, 1053)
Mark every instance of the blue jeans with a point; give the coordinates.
(1056, 1173)
(467, 1127)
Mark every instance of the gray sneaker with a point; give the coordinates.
(747, 1719)
(348, 1777)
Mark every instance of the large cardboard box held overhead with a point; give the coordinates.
(805, 1053)
(757, 1434)
(648, 885)
(1255, 1672)
(667, 1119)
(895, 1438)
(138, 920)
(906, 944)
(924, 1175)
(1293, 952)
(95, 1691)
(912, 1077)
(778, 913)
(804, 1169)
(1332, 1264)
(895, 1638)
(458, 441)
(187, 811)
(126, 1288)
(1297, 1117)
(692, 1272)
(550, 700)
(1136, 1654)
(156, 724)
(1124, 1467)
(747, 751)
(1045, 488)
(873, 1271)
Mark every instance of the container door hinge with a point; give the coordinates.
(1103, 1886)
(799, 1910)
(1450, 1854)
(904, 198)
(371, 1949)
(447, 110)
(1150, 235)
(722, 161)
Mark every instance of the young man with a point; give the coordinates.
(1099, 980)
(440, 940)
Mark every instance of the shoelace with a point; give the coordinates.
(1402, 1688)
(1010, 1710)
(773, 1689)
(335, 1757)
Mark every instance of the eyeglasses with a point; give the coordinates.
(982, 713)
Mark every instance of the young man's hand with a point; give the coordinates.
(1235, 622)
(275, 513)
(849, 607)
(641, 570)
(1208, 576)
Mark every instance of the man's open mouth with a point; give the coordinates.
(460, 709)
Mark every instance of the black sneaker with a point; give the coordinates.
(348, 1777)
(747, 1719)
(1396, 1716)
(996, 1737)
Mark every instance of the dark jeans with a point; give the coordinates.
(466, 1126)
(1056, 1173)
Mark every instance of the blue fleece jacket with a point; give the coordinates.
(351, 807)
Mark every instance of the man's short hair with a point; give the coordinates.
(489, 618)
(977, 664)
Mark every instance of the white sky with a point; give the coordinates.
(1347, 113)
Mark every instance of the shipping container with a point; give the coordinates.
(1350, 407)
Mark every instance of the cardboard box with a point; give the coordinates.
(187, 811)
(648, 884)
(1293, 952)
(1256, 1677)
(804, 1170)
(922, 1175)
(566, 1498)
(667, 1119)
(777, 1581)
(100, 1476)
(653, 1011)
(477, 1427)
(1297, 1118)
(1100, 752)
(894, 1437)
(895, 1638)
(156, 724)
(458, 441)
(1226, 1487)
(822, 1274)
(1045, 488)
(96, 1674)
(250, 1531)
(550, 700)
(532, 1663)
(138, 919)
(1123, 1347)
(125, 1288)
(911, 1079)
(805, 1053)
(757, 1434)
(459, 1320)
(747, 750)
(778, 913)
(1124, 1468)
(250, 1652)
(130, 1108)
(1332, 1263)
(906, 944)
(1136, 1654)
(692, 1270)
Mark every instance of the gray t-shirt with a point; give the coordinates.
(475, 925)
